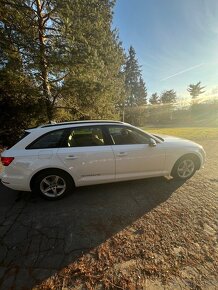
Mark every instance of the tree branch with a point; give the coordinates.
(59, 79)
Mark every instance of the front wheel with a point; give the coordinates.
(53, 184)
(184, 168)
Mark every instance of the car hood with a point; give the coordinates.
(177, 140)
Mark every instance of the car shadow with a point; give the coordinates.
(38, 238)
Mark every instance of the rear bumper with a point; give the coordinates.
(15, 183)
(15, 186)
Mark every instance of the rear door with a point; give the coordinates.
(87, 155)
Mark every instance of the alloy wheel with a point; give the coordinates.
(53, 186)
(186, 168)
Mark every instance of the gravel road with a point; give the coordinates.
(147, 234)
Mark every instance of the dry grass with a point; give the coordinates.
(192, 133)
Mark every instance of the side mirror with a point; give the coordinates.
(152, 143)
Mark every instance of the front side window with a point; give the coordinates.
(50, 140)
(85, 136)
(126, 135)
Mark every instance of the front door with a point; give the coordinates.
(135, 158)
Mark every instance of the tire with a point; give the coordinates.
(185, 167)
(53, 184)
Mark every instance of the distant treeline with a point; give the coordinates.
(177, 114)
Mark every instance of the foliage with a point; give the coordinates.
(60, 60)
(137, 115)
(19, 100)
(17, 109)
(34, 30)
(168, 97)
(154, 99)
(195, 90)
(95, 84)
(68, 51)
(135, 86)
(141, 93)
(68, 56)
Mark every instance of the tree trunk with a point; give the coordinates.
(43, 62)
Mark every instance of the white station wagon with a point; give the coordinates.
(53, 158)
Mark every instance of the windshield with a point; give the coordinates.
(158, 137)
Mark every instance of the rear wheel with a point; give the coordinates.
(185, 167)
(53, 184)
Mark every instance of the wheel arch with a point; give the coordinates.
(193, 155)
(36, 174)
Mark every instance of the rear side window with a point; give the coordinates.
(85, 136)
(50, 140)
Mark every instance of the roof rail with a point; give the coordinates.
(78, 122)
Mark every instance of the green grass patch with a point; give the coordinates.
(192, 133)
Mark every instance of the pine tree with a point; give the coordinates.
(168, 97)
(19, 99)
(96, 83)
(141, 93)
(195, 90)
(135, 86)
(33, 28)
(154, 99)
(68, 51)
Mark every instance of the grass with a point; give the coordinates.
(192, 133)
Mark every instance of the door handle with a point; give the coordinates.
(121, 154)
(71, 157)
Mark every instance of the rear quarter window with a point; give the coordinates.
(49, 140)
(22, 136)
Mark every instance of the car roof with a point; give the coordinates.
(63, 124)
(77, 122)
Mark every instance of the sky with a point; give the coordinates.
(176, 41)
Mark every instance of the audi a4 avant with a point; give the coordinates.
(53, 158)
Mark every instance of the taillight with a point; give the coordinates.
(6, 160)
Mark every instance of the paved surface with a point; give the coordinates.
(38, 238)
